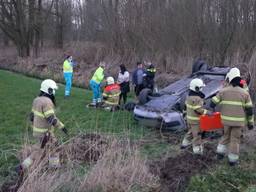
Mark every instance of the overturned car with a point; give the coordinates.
(165, 109)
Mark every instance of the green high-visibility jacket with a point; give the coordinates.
(67, 67)
(98, 76)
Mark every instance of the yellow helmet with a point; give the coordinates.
(196, 85)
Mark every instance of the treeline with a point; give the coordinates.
(214, 29)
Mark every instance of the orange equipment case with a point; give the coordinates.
(211, 123)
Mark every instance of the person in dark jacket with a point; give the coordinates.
(123, 80)
(149, 77)
(137, 78)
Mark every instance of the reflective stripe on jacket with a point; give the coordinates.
(111, 94)
(42, 109)
(67, 67)
(234, 103)
(98, 76)
(194, 107)
(151, 70)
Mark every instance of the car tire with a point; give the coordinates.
(199, 66)
(144, 96)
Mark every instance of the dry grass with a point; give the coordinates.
(112, 165)
(252, 67)
(120, 169)
(88, 55)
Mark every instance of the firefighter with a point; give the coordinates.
(236, 111)
(111, 94)
(44, 121)
(194, 108)
(243, 82)
(68, 74)
(95, 83)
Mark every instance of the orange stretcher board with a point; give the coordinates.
(211, 123)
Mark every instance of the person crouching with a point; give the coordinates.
(111, 95)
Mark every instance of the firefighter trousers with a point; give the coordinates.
(193, 135)
(232, 137)
(38, 153)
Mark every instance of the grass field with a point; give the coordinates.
(17, 93)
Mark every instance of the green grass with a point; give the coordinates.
(16, 95)
(224, 178)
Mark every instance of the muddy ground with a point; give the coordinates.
(175, 172)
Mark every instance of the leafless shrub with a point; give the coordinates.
(115, 165)
(252, 68)
(120, 169)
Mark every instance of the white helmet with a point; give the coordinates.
(49, 86)
(233, 73)
(196, 85)
(110, 80)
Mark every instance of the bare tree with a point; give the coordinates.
(214, 29)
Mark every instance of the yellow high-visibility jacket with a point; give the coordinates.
(67, 67)
(98, 76)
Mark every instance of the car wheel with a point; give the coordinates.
(199, 66)
(144, 96)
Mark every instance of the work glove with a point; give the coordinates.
(65, 131)
(250, 127)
